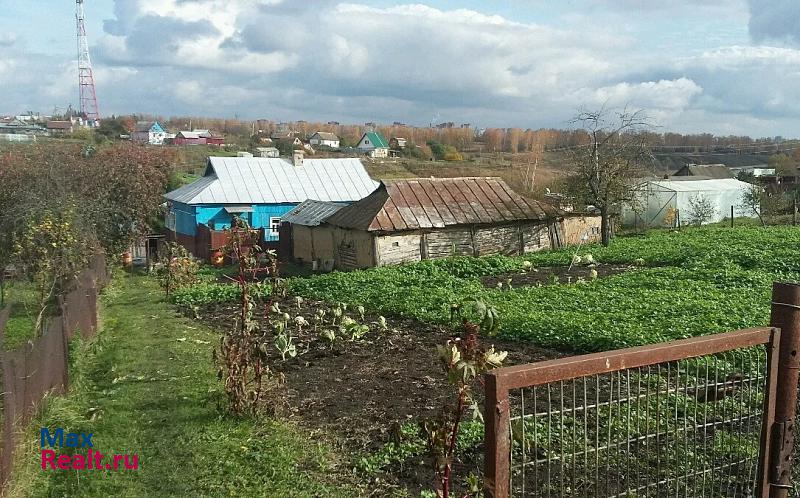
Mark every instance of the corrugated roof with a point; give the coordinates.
(311, 213)
(324, 135)
(189, 134)
(411, 204)
(376, 139)
(261, 180)
(708, 171)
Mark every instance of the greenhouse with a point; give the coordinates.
(667, 203)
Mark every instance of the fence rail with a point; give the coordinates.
(41, 365)
(686, 418)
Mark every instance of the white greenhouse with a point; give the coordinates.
(665, 203)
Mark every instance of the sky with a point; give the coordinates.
(717, 66)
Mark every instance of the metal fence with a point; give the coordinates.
(41, 365)
(706, 416)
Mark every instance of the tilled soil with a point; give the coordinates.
(548, 275)
(359, 391)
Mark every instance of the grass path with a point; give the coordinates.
(148, 386)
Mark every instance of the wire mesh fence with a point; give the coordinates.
(686, 428)
(684, 422)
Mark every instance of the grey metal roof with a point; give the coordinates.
(311, 213)
(261, 180)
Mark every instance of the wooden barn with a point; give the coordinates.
(300, 241)
(424, 218)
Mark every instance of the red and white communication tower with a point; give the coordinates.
(88, 96)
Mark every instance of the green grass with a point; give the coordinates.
(693, 282)
(23, 301)
(148, 386)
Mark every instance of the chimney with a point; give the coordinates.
(297, 158)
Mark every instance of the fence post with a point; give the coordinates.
(496, 436)
(731, 216)
(786, 316)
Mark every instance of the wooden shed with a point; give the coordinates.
(300, 241)
(424, 218)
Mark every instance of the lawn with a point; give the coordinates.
(147, 386)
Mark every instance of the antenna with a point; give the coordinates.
(88, 97)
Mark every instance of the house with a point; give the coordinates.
(268, 152)
(18, 127)
(59, 127)
(210, 137)
(705, 171)
(287, 145)
(668, 203)
(397, 143)
(757, 170)
(373, 144)
(426, 218)
(299, 242)
(282, 135)
(260, 190)
(188, 138)
(150, 132)
(324, 138)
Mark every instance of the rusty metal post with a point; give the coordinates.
(786, 316)
(496, 472)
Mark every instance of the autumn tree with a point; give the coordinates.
(606, 167)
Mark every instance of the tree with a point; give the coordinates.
(608, 165)
(701, 209)
(752, 200)
(51, 250)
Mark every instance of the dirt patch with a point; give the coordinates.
(554, 275)
(360, 391)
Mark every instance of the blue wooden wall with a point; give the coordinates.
(185, 221)
(188, 217)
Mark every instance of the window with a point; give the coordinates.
(274, 225)
(170, 221)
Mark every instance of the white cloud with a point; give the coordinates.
(325, 59)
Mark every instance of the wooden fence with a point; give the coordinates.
(41, 365)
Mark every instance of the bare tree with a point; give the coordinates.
(701, 209)
(752, 199)
(607, 167)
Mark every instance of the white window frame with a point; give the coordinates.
(272, 221)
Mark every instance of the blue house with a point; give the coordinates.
(150, 132)
(260, 190)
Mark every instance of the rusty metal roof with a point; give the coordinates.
(415, 203)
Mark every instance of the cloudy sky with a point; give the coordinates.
(721, 66)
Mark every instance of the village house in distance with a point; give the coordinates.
(374, 145)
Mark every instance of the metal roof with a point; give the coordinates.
(376, 140)
(411, 204)
(325, 135)
(311, 213)
(261, 180)
(709, 171)
(189, 134)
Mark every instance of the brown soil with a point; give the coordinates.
(360, 391)
(544, 275)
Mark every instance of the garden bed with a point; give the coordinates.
(364, 392)
(554, 275)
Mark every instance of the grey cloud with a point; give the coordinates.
(775, 20)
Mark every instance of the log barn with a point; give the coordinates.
(425, 218)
